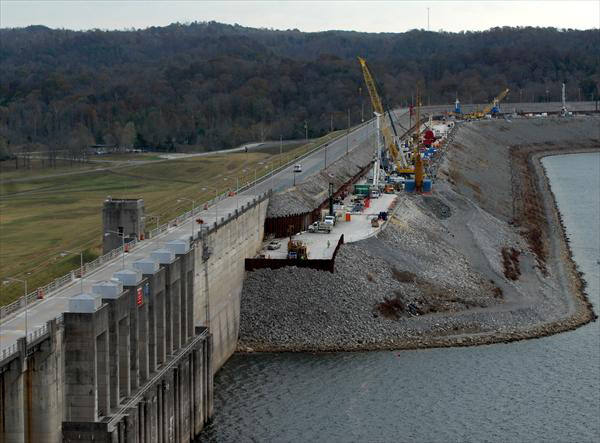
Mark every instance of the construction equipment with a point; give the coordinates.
(418, 170)
(564, 111)
(492, 107)
(391, 143)
(297, 249)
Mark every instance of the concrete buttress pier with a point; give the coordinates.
(133, 357)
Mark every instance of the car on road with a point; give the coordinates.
(275, 244)
(298, 168)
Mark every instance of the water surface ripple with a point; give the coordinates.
(543, 390)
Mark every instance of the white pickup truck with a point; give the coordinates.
(320, 227)
(330, 220)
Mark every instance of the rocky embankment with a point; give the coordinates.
(483, 259)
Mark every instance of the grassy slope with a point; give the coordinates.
(40, 218)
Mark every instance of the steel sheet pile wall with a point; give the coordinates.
(276, 263)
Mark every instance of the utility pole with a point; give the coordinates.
(122, 235)
(331, 124)
(25, 299)
(280, 150)
(80, 264)
(428, 19)
(348, 134)
(306, 130)
(362, 106)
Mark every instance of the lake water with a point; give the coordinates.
(542, 390)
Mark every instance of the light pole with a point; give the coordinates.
(281, 149)
(306, 130)
(180, 199)
(81, 264)
(255, 169)
(237, 205)
(157, 217)
(216, 203)
(25, 286)
(362, 106)
(243, 175)
(348, 134)
(122, 235)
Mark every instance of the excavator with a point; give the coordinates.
(490, 108)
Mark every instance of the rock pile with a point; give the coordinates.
(309, 195)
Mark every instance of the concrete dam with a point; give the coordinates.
(133, 357)
(125, 349)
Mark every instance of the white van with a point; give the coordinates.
(298, 168)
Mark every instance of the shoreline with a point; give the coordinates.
(570, 278)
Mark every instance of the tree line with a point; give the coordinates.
(206, 86)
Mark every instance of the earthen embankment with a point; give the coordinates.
(483, 259)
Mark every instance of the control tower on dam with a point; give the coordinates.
(129, 353)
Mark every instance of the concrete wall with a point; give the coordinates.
(121, 215)
(134, 361)
(218, 279)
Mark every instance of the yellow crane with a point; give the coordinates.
(493, 104)
(390, 142)
(419, 173)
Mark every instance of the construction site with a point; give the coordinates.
(433, 227)
(480, 258)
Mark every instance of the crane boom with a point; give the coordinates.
(390, 141)
(494, 103)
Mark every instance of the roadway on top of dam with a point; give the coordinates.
(14, 326)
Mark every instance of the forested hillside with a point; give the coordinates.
(212, 86)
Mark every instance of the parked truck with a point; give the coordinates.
(321, 227)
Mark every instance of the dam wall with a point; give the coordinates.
(133, 360)
(219, 273)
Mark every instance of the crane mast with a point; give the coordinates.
(416, 153)
(390, 141)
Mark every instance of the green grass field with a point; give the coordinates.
(42, 217)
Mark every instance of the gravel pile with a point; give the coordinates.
(440, 209)
(305, 309)
(435, 275)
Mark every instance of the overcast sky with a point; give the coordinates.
(369, 16)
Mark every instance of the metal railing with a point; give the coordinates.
(11, 350)
(48, 290)
(149, 384)
(32, 336)
(60, 282)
